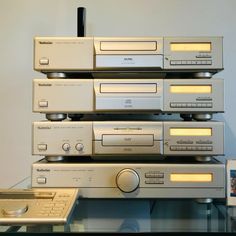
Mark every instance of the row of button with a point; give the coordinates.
(184, 142)
(191, 62)
(66, 147)
(63, 195)
(154, 175)
(52, 209)
(172, 104)
(204, 142)
(191, 104)
(191, 148)
(191, 142)
(50, 213)
(154, 181)
(50, 205)
(203, 56)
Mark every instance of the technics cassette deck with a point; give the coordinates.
(94, 138)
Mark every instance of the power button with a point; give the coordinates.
(44, 61)
(41, 180)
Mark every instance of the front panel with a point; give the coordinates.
(128, 94)
(194, 138)
(62, 138)
(132, 180)
(127, 138)
(193, 53)
(193, 96)
(63, 95)
(63, 53)
(124, 52)
(128, 45)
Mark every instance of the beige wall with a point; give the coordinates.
(21, 20)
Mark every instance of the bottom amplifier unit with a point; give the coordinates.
(134, 180)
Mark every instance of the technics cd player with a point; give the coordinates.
(86, 138)
(134, 180)
(128, 54)
(200, 97)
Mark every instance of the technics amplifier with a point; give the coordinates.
(58, 97)
(95, 138)
(134, 180)
(128, 54)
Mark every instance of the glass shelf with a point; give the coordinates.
(140, 215)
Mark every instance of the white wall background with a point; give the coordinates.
(21, 20)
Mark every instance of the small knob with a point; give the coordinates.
(66, 147)
(79, 147)
(127, 180)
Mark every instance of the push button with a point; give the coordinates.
(41, 180)
(209, 148)
(209, 105)
(44, 61)
(42, 147)
(43, 103)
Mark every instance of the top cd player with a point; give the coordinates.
(119, 56)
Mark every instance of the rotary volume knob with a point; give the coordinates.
(127, 180)
(66, 147)
(79, 147)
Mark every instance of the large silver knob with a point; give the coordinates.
(127, 180)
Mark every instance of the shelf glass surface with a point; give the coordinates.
(139, 215)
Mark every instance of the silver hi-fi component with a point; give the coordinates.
(112, 140)
(135, 56)
(197, 98)
(175, 179)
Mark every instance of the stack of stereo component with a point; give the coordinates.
(103, 133)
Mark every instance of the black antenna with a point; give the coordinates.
(81, 21)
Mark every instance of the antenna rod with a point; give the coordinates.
(81, 21)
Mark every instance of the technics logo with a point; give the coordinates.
(45, 42)
(128, 59)
(44, 84)
(44, 127)
(43, 170)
